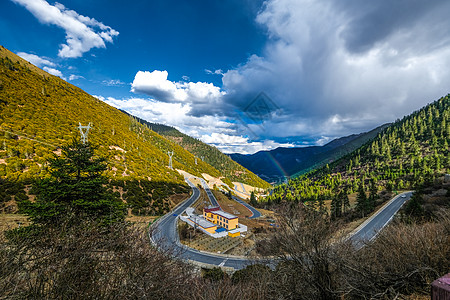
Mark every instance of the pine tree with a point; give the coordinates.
(373, 196)
(253, 200)
(76, 190)
(361, 200)
(345, 200)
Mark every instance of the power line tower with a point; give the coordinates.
(203, 158)
(84, 135)
(170, 159)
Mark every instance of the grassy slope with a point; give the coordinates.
(40, 112)
(227, 167)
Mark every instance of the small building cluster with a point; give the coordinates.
(215, 222)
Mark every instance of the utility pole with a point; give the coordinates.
(170, 159)
(84, 135)
(196, 160)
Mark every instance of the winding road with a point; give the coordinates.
(373, 225)
(256, 214)
(165, 236)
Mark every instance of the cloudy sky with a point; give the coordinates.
(244, 75)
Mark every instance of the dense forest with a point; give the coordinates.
(409, 153)
(275, 165)
(39, 113)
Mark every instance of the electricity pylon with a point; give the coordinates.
(170, 159)
(84, 135)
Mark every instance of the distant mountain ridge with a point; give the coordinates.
(275, 165)
(410, 154)
(232, 170)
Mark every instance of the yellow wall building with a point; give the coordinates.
(219, 217)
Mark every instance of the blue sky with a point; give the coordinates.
(244, 75)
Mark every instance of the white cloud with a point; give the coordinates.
(75, 77)
(215, 72)
(36, 60)
(43, 63)
(200, 95)
(239, 144)
(113, 82)
(54, 72)
(82, 33)
(214, 130)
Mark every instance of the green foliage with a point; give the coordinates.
(39, 113)
(362, 203)
(228, 168)
(253, 200)
(75, 190)
(414, 207)
(409, 153)
(214, 274)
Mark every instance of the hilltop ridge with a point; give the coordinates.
(40, 112)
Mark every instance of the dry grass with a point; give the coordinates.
(231, 206)
(11, 221)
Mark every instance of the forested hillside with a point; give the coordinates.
(411, 152)
(39, 113)
(227, 167)
(274, 165)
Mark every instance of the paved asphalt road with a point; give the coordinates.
(243, 189)
(256, 214)
(165, 235)
(381, 219)
(211, 197)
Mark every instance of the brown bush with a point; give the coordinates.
(90, 262)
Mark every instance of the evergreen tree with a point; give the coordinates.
(373, 196)
(75, 190)
(414, 206)
(253, 200)
(336, 206)
(345, 199)
(361, 200)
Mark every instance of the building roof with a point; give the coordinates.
(234, 230)
(225, 214)
(202, 222)
(211, 208)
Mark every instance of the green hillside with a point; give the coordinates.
(39, 113)
(210, 154)
(411, 152)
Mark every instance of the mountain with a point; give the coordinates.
(231, 170)
(409, 153)
(40, 112)
(275, 165)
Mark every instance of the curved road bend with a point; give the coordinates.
(243, 189)
(165, 232)
(378, 221)
(256, 214)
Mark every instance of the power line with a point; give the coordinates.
(31, 139)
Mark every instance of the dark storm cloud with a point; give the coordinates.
(338, 67)
(331, 67)
(374, 21)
